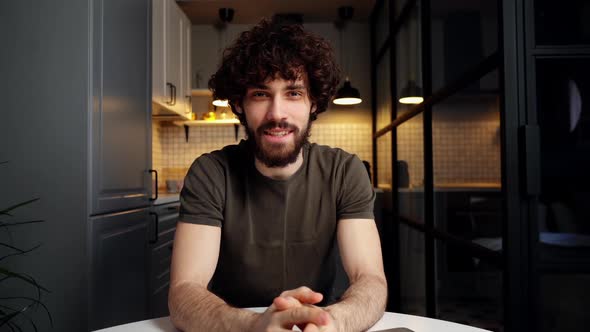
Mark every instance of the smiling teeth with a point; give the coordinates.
(280, 133)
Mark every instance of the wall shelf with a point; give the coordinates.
(193, 123)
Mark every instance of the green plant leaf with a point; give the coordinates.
(18, 223)
(20, 252)
(12, 247)
(7, 319)
(22, 277)
(35, 302)
(5, 211)
(10, 316)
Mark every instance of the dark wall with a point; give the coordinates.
(44, 66)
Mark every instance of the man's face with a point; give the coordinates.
(277, 120)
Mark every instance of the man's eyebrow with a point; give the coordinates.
(295, 87)
(258, 86)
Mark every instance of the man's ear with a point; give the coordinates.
(313, 109)
(238, 108)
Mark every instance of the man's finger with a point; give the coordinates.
(311, 328)
(286, 302)
(304, 295)
(303, 314)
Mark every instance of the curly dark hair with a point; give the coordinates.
(272, 48)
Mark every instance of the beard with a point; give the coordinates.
(281, 154)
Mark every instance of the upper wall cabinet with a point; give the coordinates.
(171, 88)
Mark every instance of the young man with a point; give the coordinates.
(259, 220)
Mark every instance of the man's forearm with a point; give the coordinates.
(194, 308)
(361, 306)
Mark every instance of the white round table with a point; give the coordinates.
(389, 320)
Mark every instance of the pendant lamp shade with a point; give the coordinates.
(221, 103)
(411, 94)
(226, 15)
(347, 95)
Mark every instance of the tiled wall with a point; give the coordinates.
(466, 148)
(351, 137)
(464, 151)
(173, 155)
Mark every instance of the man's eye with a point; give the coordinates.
(258, 94)
(295, 93)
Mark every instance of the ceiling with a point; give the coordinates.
(251, 11)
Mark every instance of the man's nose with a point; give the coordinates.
(275, 110)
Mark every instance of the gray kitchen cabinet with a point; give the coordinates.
(171, 87)
(160, 254)
(121, 158)
(121, 153)
(119, 268)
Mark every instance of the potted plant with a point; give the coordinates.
(15, 310)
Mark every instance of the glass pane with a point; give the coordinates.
(410, 137)
(383, 91)
(467, 166)
(410, 145)
(384, 162)
(469, 288)
(563, 302)
(463, 34)
(563, 104)
(412, 273)
(563, 22)
(382, 25)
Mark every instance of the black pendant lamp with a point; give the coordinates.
(226, 15)
(347, 94)
(411, 94)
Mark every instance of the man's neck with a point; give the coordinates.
(279, 173)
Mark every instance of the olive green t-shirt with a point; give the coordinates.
(275, 234)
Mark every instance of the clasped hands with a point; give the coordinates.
(296, 307)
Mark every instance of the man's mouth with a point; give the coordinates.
(277, 133)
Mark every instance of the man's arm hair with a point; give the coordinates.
(363, 303)
(192, 306)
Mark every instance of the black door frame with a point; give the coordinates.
(516, 258)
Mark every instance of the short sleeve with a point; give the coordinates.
(356, 195)
(203, 195)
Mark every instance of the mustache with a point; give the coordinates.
(273, 124)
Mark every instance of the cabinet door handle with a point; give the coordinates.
(170, 87)
(190, 104)
(173, 95)
(156, 228)
(156, 189)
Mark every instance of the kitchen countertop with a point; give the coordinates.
(167, 198)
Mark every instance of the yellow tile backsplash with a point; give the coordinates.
(172, 154)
